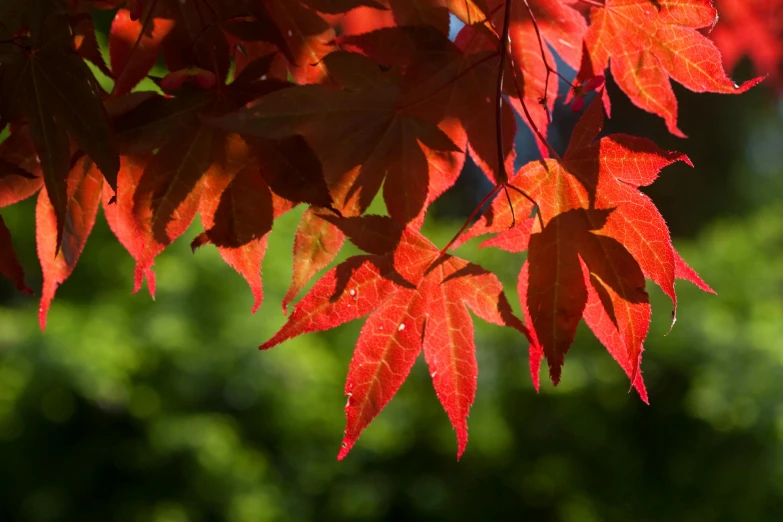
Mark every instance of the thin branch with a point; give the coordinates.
(473, 215)
(510, 206)
(549, 68)
(543, 57)
(502, 174)
(533, 125)
(488, 18)
(526, 196)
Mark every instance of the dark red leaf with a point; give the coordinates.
(167, 196)
(58, 261)
(134, 47)
(236, 219)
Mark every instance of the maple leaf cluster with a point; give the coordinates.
(269, 104)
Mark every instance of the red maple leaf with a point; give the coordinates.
(646, 42)
(387, 141)
(201, 167)
(270, 103)
(450, 85)
(237, 210)
(410, 157)
(458, 82)
(601, 237)
(57, 110)
(84, 196)
(418, 300)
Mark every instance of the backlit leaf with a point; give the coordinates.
(84, 195)
(417, 300)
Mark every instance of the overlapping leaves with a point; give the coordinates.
(646, 42)
(266, 104)
(594, 241)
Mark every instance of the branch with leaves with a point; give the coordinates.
(270, 104)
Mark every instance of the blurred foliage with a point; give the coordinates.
(133, 410)
(127, 409)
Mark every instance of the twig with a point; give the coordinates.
(511, 207)
(526, 196)
(549, 69)
(533, 125)
(476, 212)
(502, 174)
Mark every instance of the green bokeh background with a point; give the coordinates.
(130, 409)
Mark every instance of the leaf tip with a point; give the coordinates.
(535, 370)
(536, 354)
(683, 271)
(638, 384)
(287, 298)
(138, 278)
(746, 86)
(257, 300)
(199, 241)
(47, 296)
(676, 130)
(680, 156)
(462, 442)
(150, 275)
(42, 312)
(271, 343)
(555, 368)
(345, 448)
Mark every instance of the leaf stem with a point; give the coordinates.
(510, 206)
